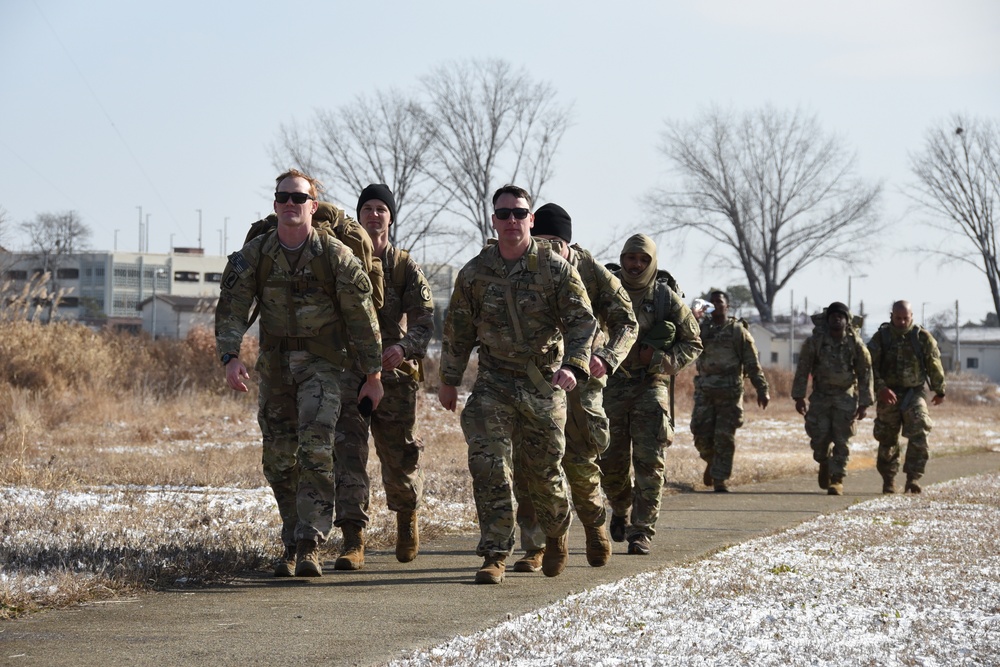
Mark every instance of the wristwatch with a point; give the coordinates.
(227, 357)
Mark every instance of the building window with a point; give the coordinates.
(972, 362)
(69, 302)
(68, 274)
(15, 274)
(186, 276)
(795, 359)
(774, 357)
(213, 277)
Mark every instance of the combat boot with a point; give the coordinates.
(638, 545)
(285, 567)
(720, 486)
(888, 483)
(911, 484)
(598, 545)
(706, 477)
(555, 556)
(407, 536)
(530, 561)
(824, 474)
(835, 487)
(618, 526)
(352, 554)
(307, 559)
(492, 570)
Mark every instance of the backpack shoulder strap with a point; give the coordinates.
(399, 271)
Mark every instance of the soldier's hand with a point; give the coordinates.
(448, 395)
(800, 406)
(565, 379)
(938, 399)
(372, 389)
(887, 396)
(392, 357)
(598, 367)
(236, 372)
(860, 414)
(762, 401)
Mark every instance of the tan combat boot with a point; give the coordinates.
(352, 554)
(407, 536)
(307, 557)
(530, 561)
(888, 483)
(492, 570)
(835, 487)
(555, 556)
(285, 567)
(911, 484)
(598, 545)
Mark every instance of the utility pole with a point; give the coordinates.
(958, 343)
(199, 227)
(225, 235)
(147, 231)
(140, 227)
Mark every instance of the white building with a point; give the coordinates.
(977, 351)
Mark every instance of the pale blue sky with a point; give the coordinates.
(171, 106)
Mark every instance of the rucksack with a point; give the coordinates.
(819, 321)
(913, 336)
(662, 303)
(328, 221)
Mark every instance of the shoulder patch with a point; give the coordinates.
(361, 281)
(239, 262)
(231, 279)
(425, 292)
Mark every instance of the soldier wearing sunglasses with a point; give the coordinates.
(315, 301)
(527, 311)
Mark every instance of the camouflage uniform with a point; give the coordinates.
(729, 355)
(520, 318)
(405, 319)
(587, 423)
(304, 336)
(903, 363)
(638, 403)
(841, 383)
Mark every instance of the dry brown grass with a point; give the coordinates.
(129, 465)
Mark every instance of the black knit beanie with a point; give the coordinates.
(553, 220)
(381, 192)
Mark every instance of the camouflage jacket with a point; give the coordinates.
(611, 305)
(835, 366)
(407, 316)
(687, 342)
(906, 359)
(296, 310)
(730, 354)
(518, 319)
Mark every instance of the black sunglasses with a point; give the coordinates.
(505, 213)
(296, 197)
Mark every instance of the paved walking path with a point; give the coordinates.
(371, 616)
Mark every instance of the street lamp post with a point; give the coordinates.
(199, 227)
(863, 275)
(140, 227)
(156, 275)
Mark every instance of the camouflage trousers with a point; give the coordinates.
(299, 407)
(509, 424)
(716, 415)
(586, 440)
(639, 415)
(909, 416)
(830, 424)
(397, 448)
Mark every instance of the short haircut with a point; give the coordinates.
(315, 187)
(714, 293)
(509, 189)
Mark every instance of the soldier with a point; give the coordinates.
(314, 301)
(406, 320)
(904, 357)
(637, 398)
(520, 303)
(729, 355)
(586, 423)
(841, 370)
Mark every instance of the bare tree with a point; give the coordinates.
(382, 139)
(491, 125)
(772, 189)
(958, 180)
(53, 235)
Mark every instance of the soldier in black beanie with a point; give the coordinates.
(553, 220)
(381, 192)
